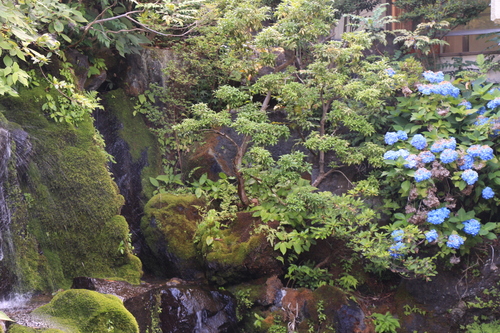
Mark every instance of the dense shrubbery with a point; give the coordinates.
(442, 164)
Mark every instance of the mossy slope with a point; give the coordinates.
(66, 206)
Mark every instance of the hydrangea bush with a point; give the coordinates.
(441, 158)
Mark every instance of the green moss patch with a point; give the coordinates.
(66, 220)
(169, 225)
(86, 311)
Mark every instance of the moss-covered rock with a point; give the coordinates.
(169, 225)
(238, 254)
(65, 204)
(86, 311)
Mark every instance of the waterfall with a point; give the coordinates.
(15, 152)
(5, 216)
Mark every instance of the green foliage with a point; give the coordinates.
(374, 24)
(476, 327)
(354, 6)
(308, 276)
(155, 104)
(244, 303)
(29, 33)
(70, 105)
(455, 12)
(408, 310)
(488, 300)
(385, 323)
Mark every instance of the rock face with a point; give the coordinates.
(453, 298)
(146, 68)
(192, 309)
(169, 226)
(137, 158)
(63, 205)
(174, 307)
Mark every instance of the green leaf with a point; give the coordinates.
(142, 98)
(164, 178)
(154, 181)
(58, 26)
(406, 186)
(209, 240)
(65, 37)
(4, 317)
(7, 61)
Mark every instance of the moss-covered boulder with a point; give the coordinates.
(237, 253)
(169, 225)
(64, 203)
(85, 311)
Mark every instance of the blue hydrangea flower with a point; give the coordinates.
(470, 176)
(466, 162)
(450, 143)
(494, 103)
(443, 144)
(419, 141)
(486, 153)
(391, 155)
(395, 249)
(472, 227)
(437, 216)
(403, 153)
(444, 88)
(431, 235)
(467, 104)
(411, 161)
(390, 72)
(402, 135)
(425, 89)
(391, 138)
(487, 193)
(482, 110)
(397, 235)
(474, 150)
(426, 157)
(448, 156)
(433, 77)
(481, 120)
(422, 174)
(455, 241)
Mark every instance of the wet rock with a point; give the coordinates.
(175, 306)
(191, 309)
(350, 318)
